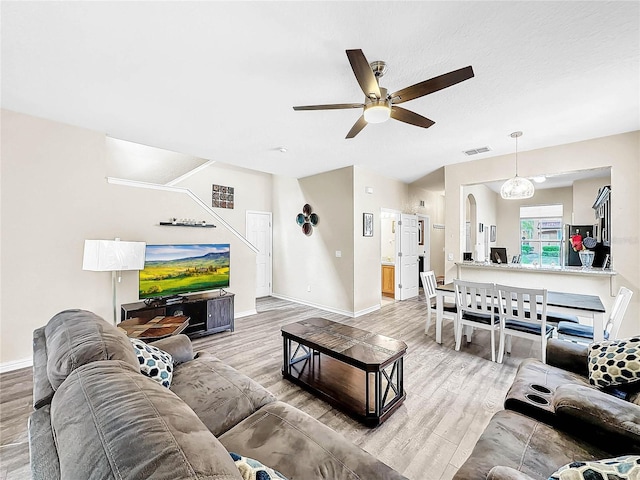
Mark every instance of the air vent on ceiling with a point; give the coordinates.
(475, 151)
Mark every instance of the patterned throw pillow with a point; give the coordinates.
(154, 363)
(620, 468)
(614, 363)
(251, 469)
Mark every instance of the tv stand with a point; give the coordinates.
(208, 312)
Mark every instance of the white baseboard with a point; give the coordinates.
(346, 313)
(16, 365)
(245, 314)
(364, 311)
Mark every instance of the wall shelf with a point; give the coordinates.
(198, 225)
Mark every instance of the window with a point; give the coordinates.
(541, 234)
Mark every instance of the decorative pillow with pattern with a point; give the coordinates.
(251, 469)
(154, 363)
(620, 468)
(615, 362)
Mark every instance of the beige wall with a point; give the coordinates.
(433, 207)
(387, 193)
(620, 152)
(584, 194)
(53, 197)
(308, 270)
(486, 213)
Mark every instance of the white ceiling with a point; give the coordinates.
(217, 80)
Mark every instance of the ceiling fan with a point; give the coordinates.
(378, 104)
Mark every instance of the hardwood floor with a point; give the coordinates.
(451, 395)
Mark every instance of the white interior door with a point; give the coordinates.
(259, 234)
(407, 263)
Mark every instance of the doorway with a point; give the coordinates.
(259, 233)
(399, 255)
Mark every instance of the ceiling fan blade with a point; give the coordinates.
(365, 76)
(407, 116)
(333, 106)
(357, 127)
(432, 85)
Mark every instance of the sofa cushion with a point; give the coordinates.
(614, 363)
(77, 337)
(299, 446)
(220, 395)
(109, 421)
(601, 418)
(526, 445)
(619, 468)
(154, 363)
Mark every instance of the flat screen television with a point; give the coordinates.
(171, 270)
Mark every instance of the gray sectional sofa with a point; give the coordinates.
(97, 417)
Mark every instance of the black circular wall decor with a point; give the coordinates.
(307, 220)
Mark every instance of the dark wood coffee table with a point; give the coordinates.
(354, 369)
(154, 329)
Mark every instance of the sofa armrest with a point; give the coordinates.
(506, 473)
(179, 346)
(42, 389)
(568, 356)
(598, 416)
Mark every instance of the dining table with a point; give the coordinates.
(580, 304)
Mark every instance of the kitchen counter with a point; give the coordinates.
(594, 281)
(538, 268)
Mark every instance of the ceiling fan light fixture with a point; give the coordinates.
(377, 111)
(517, 188)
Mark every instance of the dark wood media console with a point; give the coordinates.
(208, 312)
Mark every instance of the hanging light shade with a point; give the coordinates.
(517, 188)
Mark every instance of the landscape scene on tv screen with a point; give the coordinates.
(177, 269)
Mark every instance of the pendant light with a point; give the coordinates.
(517, 188)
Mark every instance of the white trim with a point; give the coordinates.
(16, 365)
(314, 305)
(190, 172)
(247, 313)
(186, 191)
(364, 311)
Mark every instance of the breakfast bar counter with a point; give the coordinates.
(593, 281)
(544, 269)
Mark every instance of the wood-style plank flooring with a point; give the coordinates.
(451, 395)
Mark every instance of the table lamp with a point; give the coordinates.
(113, 256)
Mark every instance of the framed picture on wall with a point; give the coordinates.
(492, 233)
(367, 224)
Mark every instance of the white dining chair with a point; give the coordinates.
(516, 305)
(577, 332)
(430, 294)
(476, 304)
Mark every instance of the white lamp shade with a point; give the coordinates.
(517, 188)
(113, 255)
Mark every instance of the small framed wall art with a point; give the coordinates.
(222, 197)
(367, 224)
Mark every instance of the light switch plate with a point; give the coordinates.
(450, 257)
(338, 253)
